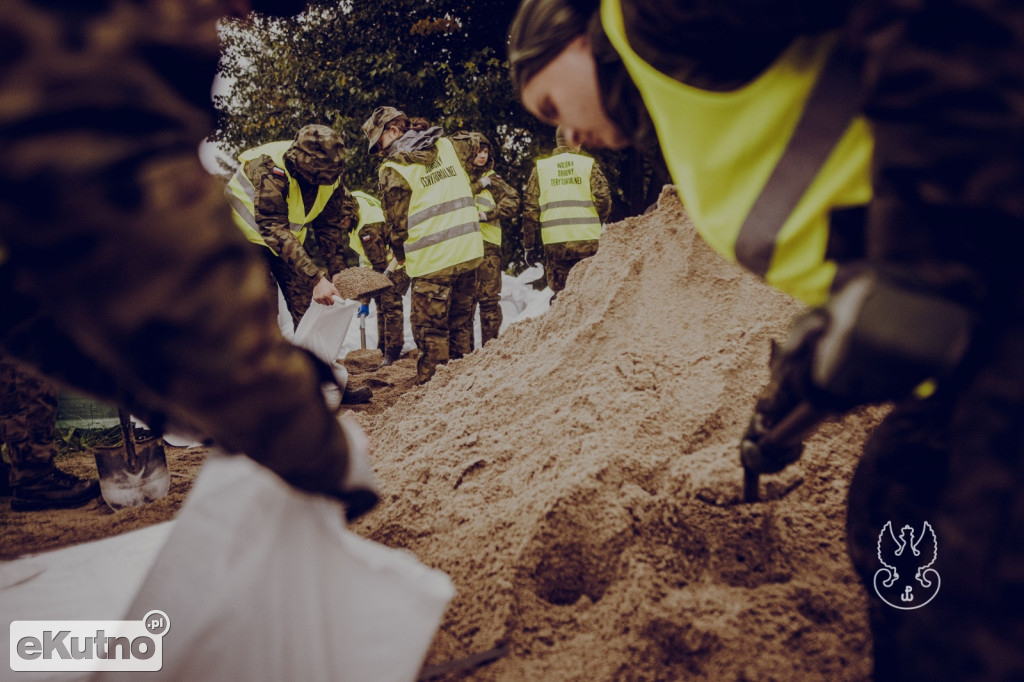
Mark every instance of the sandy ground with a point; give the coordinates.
(578, 479)
(31, 532)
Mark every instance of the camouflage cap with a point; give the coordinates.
(540, 31)
(317, 154)
(320, 142)
(374, 126)
(481, 140)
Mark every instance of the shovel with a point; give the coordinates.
(356, 283)
(134, 474)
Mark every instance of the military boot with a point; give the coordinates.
(56, 490)
(353, 395)
(390, 357)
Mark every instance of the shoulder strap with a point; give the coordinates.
(832, 105)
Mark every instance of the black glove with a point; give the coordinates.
(884, 339)
(876, 340)
(783, 415)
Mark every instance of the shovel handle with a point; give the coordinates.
(128, 433)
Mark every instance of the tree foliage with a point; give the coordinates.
(443, 60)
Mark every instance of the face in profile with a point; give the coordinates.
(566, 93)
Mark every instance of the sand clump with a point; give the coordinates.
(355, 283)
(565, 478)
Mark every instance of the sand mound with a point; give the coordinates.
(561, 477)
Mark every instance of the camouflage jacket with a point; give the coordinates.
(506, 198)
(124, 274)
(395, 193)
(329, 229)
(599, 188)
(374, 239)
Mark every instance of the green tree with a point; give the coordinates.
(439, 59)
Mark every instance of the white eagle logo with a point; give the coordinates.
(906, 565)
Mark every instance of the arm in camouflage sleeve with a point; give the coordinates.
(395, 195)
(125, 251)
(531, 211)
(374, 239)
(159, 286)
(601, 192)
(271, 211)
(331, 230)
(506, 199)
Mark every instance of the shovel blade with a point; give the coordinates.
(127, 483)
(354, 283)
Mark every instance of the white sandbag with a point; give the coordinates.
(263, 582)
(284, 317)
(322, 330)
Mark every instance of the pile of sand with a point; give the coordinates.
(559, 476)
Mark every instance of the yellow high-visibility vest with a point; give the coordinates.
(491, 230)
(760, 168)
(443, 226)
(241, 195)
(370, 211)
(567, 211)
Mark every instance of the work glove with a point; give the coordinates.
(364, 310)
(875, 340)
(767, 447)
(482, 216)
(485, 181)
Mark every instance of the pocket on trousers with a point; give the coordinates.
(432, 291)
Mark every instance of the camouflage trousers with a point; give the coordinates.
(391, 316)
(956, 462)
(297, 288)
(488, 292)
(559, 259)
(28, 418)
(441, 319)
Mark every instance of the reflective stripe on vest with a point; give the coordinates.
(443, 225)
(370, 211)
(760, 168)
(491, 230)
(241, 195)
(567, 211)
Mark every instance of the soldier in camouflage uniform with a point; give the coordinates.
(943, 90)
(560, 257)
(120, 269)
(315, 162)
(371, 241)
(496, 201)
(442, 298)
(28, 419)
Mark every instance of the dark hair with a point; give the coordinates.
(403, 123)
(419, 123)
(540, 31)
